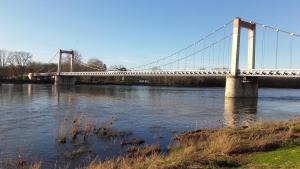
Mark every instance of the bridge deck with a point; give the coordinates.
(267, 73)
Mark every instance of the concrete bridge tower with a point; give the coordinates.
(65, 80)
(236, 85)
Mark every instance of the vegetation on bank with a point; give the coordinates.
(262, 145)
(15, 65)
(287, 157)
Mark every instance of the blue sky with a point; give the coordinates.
(127, 32)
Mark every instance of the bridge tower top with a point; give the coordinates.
(237, 25)
(61, 52)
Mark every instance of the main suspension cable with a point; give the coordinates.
(196, 52)
(187, 47)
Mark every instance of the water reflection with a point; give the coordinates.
(239, 112)
(29, 90)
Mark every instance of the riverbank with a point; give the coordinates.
(273, 144)
(20, 81)
(263, 145)
(201, 81)
(197, 81)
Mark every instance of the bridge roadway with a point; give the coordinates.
(253, 73)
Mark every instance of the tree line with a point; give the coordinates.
(17, 64)
(14, 64)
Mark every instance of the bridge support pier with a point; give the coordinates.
(64, 80)
(31, 77)
(236, 85)
(241, 87)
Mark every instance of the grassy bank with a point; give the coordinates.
(273, 144)
(263, 145)
(286, 157)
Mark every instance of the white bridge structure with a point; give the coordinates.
(216, 54)
(255, 73)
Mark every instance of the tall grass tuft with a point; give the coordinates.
(36, 165)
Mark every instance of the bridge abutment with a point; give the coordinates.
(64, 80)
(241, 87)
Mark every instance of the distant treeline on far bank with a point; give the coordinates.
(16, 65)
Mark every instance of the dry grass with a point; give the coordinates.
(211, 147)
(106, 131)
(36, 165)
(205, 148)
(62, 133)
(89, 126)
(127, 163)
(137, 157)
(83, 126)
(221, 143)
(144, 151)
(75, 128)
(259, 137)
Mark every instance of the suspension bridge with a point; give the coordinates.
(270, 52)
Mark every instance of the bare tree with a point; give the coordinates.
(3, 58)
(96, 64)
(155, 68)
(23, 58)
(76, 64)
(37, 67)
(3, 63)
(18, 62)
(14, 64)
(118, 68)
(11, 58)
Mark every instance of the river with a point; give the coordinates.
(33, 116)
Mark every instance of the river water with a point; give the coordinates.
(34, 116)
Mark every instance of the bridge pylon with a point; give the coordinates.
(238, 86)
(65, 80)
